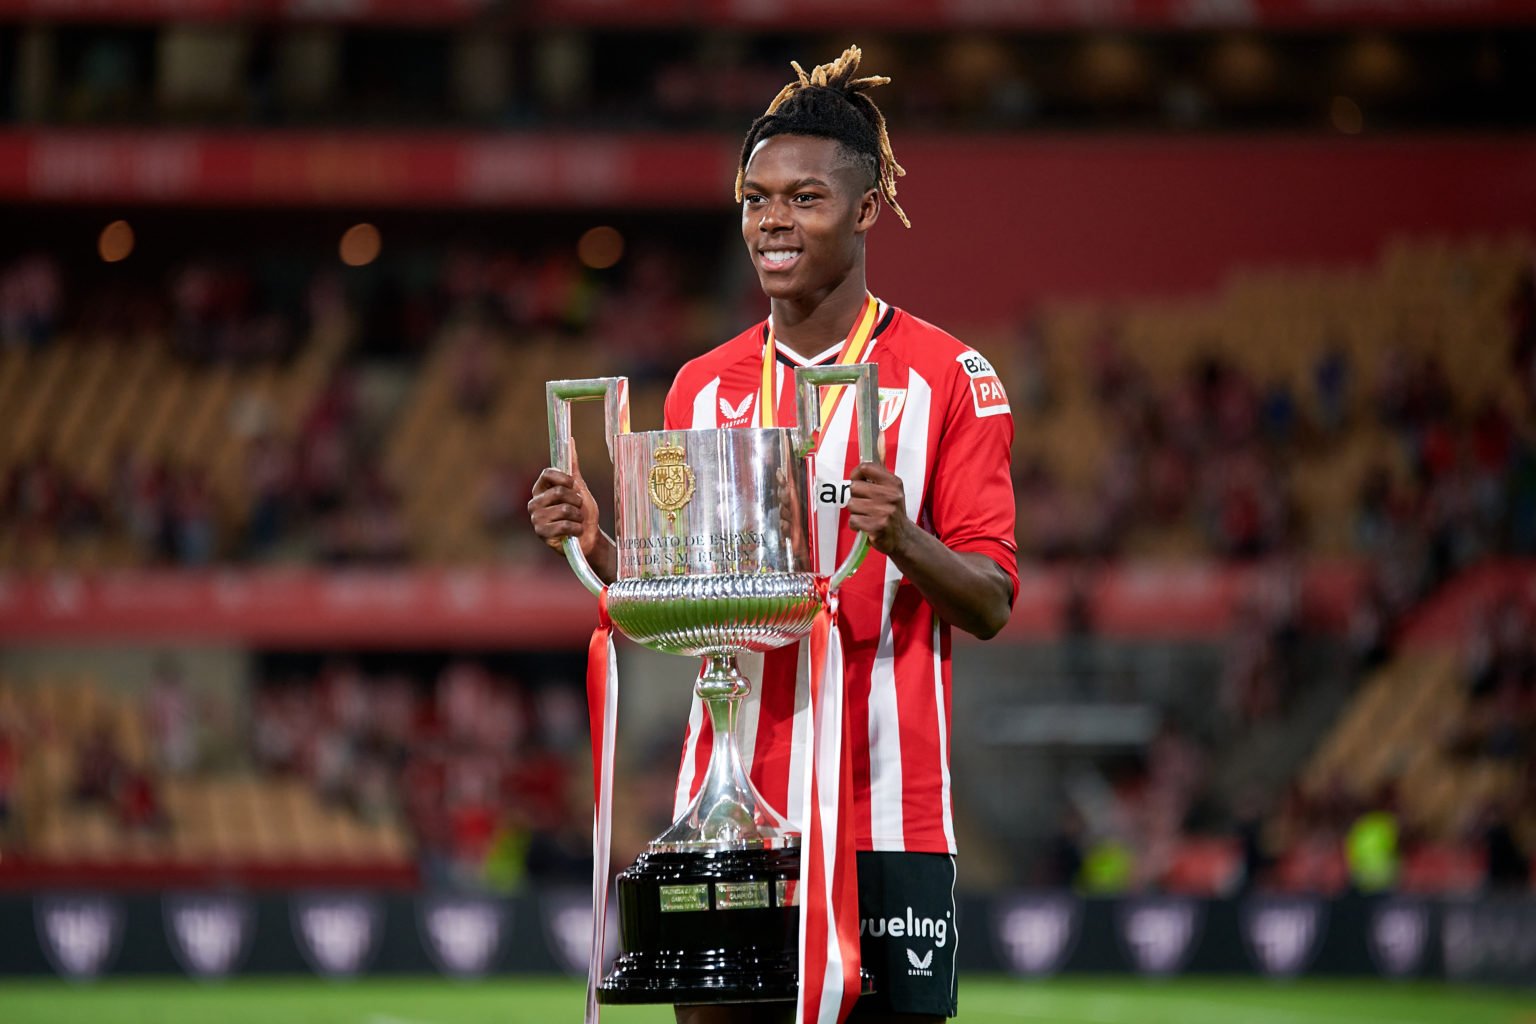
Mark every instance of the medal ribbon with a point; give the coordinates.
(855, 348)
(602, 712)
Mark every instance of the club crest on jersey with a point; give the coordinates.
(987, 394)
(892, 401)
(738, 415)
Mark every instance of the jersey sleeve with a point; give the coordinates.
(972, 501)
(677, 411)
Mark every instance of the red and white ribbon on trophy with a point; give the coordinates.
(829, 887)
(603, 713)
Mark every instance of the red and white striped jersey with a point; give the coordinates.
(948, 434)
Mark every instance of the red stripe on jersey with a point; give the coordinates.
(922, 768)
(775, 726)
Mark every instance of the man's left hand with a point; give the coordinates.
(877, 504)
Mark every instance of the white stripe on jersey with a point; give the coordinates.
(886, 810)
(943, 723)
(682, 796)
(704, 407)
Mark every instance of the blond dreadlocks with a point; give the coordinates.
(830, 103)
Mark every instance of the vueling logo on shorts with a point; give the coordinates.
(910, 927)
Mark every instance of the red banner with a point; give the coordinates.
(1058, 217)
(544, 610)
(811, 14)
(364, 169)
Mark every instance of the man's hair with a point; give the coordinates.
(829, 103)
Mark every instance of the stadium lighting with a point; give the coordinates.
(360, 245)
(115, 243)
(1346, 115)
(600, 248)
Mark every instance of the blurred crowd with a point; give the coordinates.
(488, 773)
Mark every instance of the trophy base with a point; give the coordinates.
(715, 927)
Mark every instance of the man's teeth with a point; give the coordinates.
(781, 256)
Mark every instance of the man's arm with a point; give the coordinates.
(967, 589)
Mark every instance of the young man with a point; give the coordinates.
(938, 509)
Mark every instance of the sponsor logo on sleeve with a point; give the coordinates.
(987, 394)
(210, 934)
(1282, 933)
(338, 934)
(736, 415)
(1037, 933)
(1399, 937)
(1159, 932)
(463, 934)
(80, 934)
(568, 925)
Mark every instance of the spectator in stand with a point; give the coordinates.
(99, 765)
(137, 803)
(30, 296)
(1331, 388)
(10, 768)
(171, 719)
(269, 481)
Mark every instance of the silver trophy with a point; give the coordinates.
(714, 559)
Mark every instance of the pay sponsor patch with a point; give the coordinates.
(987, 393)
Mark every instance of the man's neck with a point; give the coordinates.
(813, 326)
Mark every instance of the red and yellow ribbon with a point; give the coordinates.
(855, 348)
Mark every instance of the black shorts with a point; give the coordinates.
(907, 934)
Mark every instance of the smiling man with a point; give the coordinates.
(815, 172)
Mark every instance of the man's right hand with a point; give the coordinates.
(562, 507)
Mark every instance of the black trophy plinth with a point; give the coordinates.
(717, 927)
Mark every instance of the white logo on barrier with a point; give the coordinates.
(1282, 934)
(463, 934)
(1490, 940)
(1037, 933)
(1159, 933)
(1399, 937)
(208, 933)
(80, 933)
(338, 934)
(568, 924)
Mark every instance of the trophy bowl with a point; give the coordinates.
(715, 558)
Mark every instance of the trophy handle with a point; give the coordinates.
(809, 380)
(558, 396)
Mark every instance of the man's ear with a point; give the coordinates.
(869, 211)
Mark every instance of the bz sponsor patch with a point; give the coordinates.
(987, 393)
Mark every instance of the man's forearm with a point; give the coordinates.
(967, 589)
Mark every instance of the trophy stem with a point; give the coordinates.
(728, 813)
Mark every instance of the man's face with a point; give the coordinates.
(804, 213)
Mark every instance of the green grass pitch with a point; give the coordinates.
(983, 1000)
